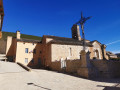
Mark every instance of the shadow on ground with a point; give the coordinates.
(116, 87)
(38, 86)
(107, 80)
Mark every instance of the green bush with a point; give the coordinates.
(115, 59)
(5, 34)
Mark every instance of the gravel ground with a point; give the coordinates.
(49, 80)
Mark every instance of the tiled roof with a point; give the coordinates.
(110, 53)
(28, 40)
(64, 40)
(95, 41)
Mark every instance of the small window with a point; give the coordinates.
(26, 60)
(34, 51)
(70, 52)
(26, 50)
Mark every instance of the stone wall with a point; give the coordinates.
(3, 46)
(107, 68)
(64, 52)
(72, 66)
(56, 66)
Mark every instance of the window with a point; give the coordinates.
(96, 52)
(26, 60)
(26, 50)
(34, 51)
(70, 52)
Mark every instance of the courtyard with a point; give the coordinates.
(49, 80)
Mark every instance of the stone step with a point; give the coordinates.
(2, 55)
(1, 58)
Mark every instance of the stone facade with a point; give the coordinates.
(111, 55)
(107, 69)
(97, 50)
(16, 51)
(51, 49)
(3, 46)
(65, 52)
(76, 32)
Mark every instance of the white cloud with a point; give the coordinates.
(113, 42)
(117, 51)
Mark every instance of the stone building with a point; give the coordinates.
(25, 51)
(111, 55)
(36, 53)
(1, 17)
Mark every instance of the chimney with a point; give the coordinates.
(76, 32)
(18, 34)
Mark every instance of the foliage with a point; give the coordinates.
(5, 34)
(118, 54)
(115, 59)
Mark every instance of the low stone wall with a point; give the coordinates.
(23, 66)
(3, 46)
(56, 66)
(107, 68)
(72, 66)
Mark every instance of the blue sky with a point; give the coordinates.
(56, 17)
